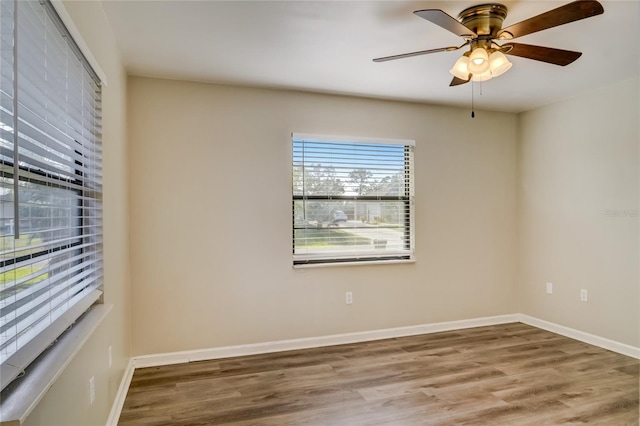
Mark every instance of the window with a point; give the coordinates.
(352, 199)
(50, 183)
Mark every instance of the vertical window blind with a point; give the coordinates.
(353, 199)
(50, 183)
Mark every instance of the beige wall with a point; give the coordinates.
(67, 402)
(578, 165)
(211, 217)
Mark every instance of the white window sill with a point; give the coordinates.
(372, 262)
(19, 399)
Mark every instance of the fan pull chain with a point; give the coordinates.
(473, 112)
(473, 107)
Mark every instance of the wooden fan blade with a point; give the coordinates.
(458, 81)
(540, 53)
(562, 15)
(445, 21)
(421, 52)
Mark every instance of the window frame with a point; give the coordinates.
(407, 198)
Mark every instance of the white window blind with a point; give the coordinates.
(50, 183)
(352, 199)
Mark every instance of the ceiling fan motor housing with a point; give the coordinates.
(485, 20)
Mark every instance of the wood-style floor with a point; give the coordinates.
(509, 374)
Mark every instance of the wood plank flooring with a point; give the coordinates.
(509, 374)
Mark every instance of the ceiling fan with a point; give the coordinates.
(481, 26)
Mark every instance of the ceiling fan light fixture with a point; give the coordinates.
(461, 68)
(498, 63)
(478, 61)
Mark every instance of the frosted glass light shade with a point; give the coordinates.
(461, 68)
(478, 61)
(498, 64)
(482, 77)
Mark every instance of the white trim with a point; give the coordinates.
(354, 263)
(365, 336)
(592, 339)
(350, 139)
(82, 45)
(314, 342)
(118, 403)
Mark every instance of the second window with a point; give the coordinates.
(352, 199)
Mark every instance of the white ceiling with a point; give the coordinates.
(328, 46)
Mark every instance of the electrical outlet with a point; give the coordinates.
(110, 356)
(584, 295)
(549, 288)
(349, 298)
(92, 390)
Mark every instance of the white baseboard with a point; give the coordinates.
(314, 342)
(592, 339)
(118, 403)
(339, 339)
